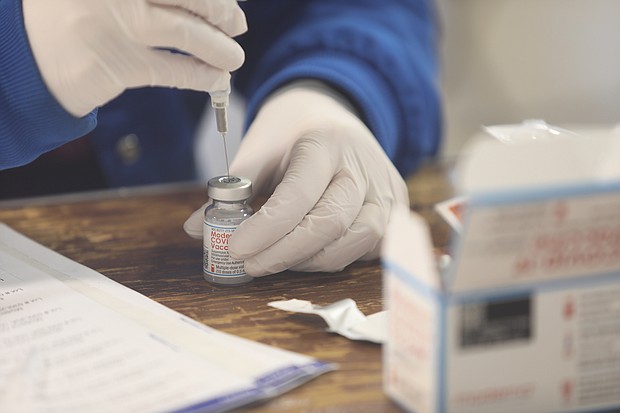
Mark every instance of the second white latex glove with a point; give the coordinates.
(89, 51)
(332, 187)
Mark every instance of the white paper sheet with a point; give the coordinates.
(72, 340)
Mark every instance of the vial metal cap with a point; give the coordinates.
(229, 188)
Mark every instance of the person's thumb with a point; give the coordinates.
(193, 225)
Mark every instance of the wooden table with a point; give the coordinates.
(136, 238)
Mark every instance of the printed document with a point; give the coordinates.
(73, 340)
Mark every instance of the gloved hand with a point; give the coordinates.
(89, 51)
(332, 187)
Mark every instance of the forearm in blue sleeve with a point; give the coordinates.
(31, 120)
(382, 55)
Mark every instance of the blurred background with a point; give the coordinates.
(502, 62)
(505, 61)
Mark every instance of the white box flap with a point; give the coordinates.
(408, 250)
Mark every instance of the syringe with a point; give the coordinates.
(219, 102)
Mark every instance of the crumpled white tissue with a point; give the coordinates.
(342, 317)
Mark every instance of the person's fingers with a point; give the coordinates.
(162, 68)
(226, 15)
(193, 226)
(327, 221)
(308, 175)
(265, 151)
(176, 29)
(360, 241)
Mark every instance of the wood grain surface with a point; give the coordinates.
(137, 239)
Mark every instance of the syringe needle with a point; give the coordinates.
(226, 155)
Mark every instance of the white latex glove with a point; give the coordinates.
(332, 187)
(89, 51)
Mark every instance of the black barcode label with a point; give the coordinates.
(496, 322)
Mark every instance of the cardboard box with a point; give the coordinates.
(527, 316)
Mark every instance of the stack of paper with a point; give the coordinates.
(72, 340)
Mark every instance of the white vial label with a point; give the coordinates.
(217, 261)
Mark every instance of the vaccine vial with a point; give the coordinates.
(229, 209)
